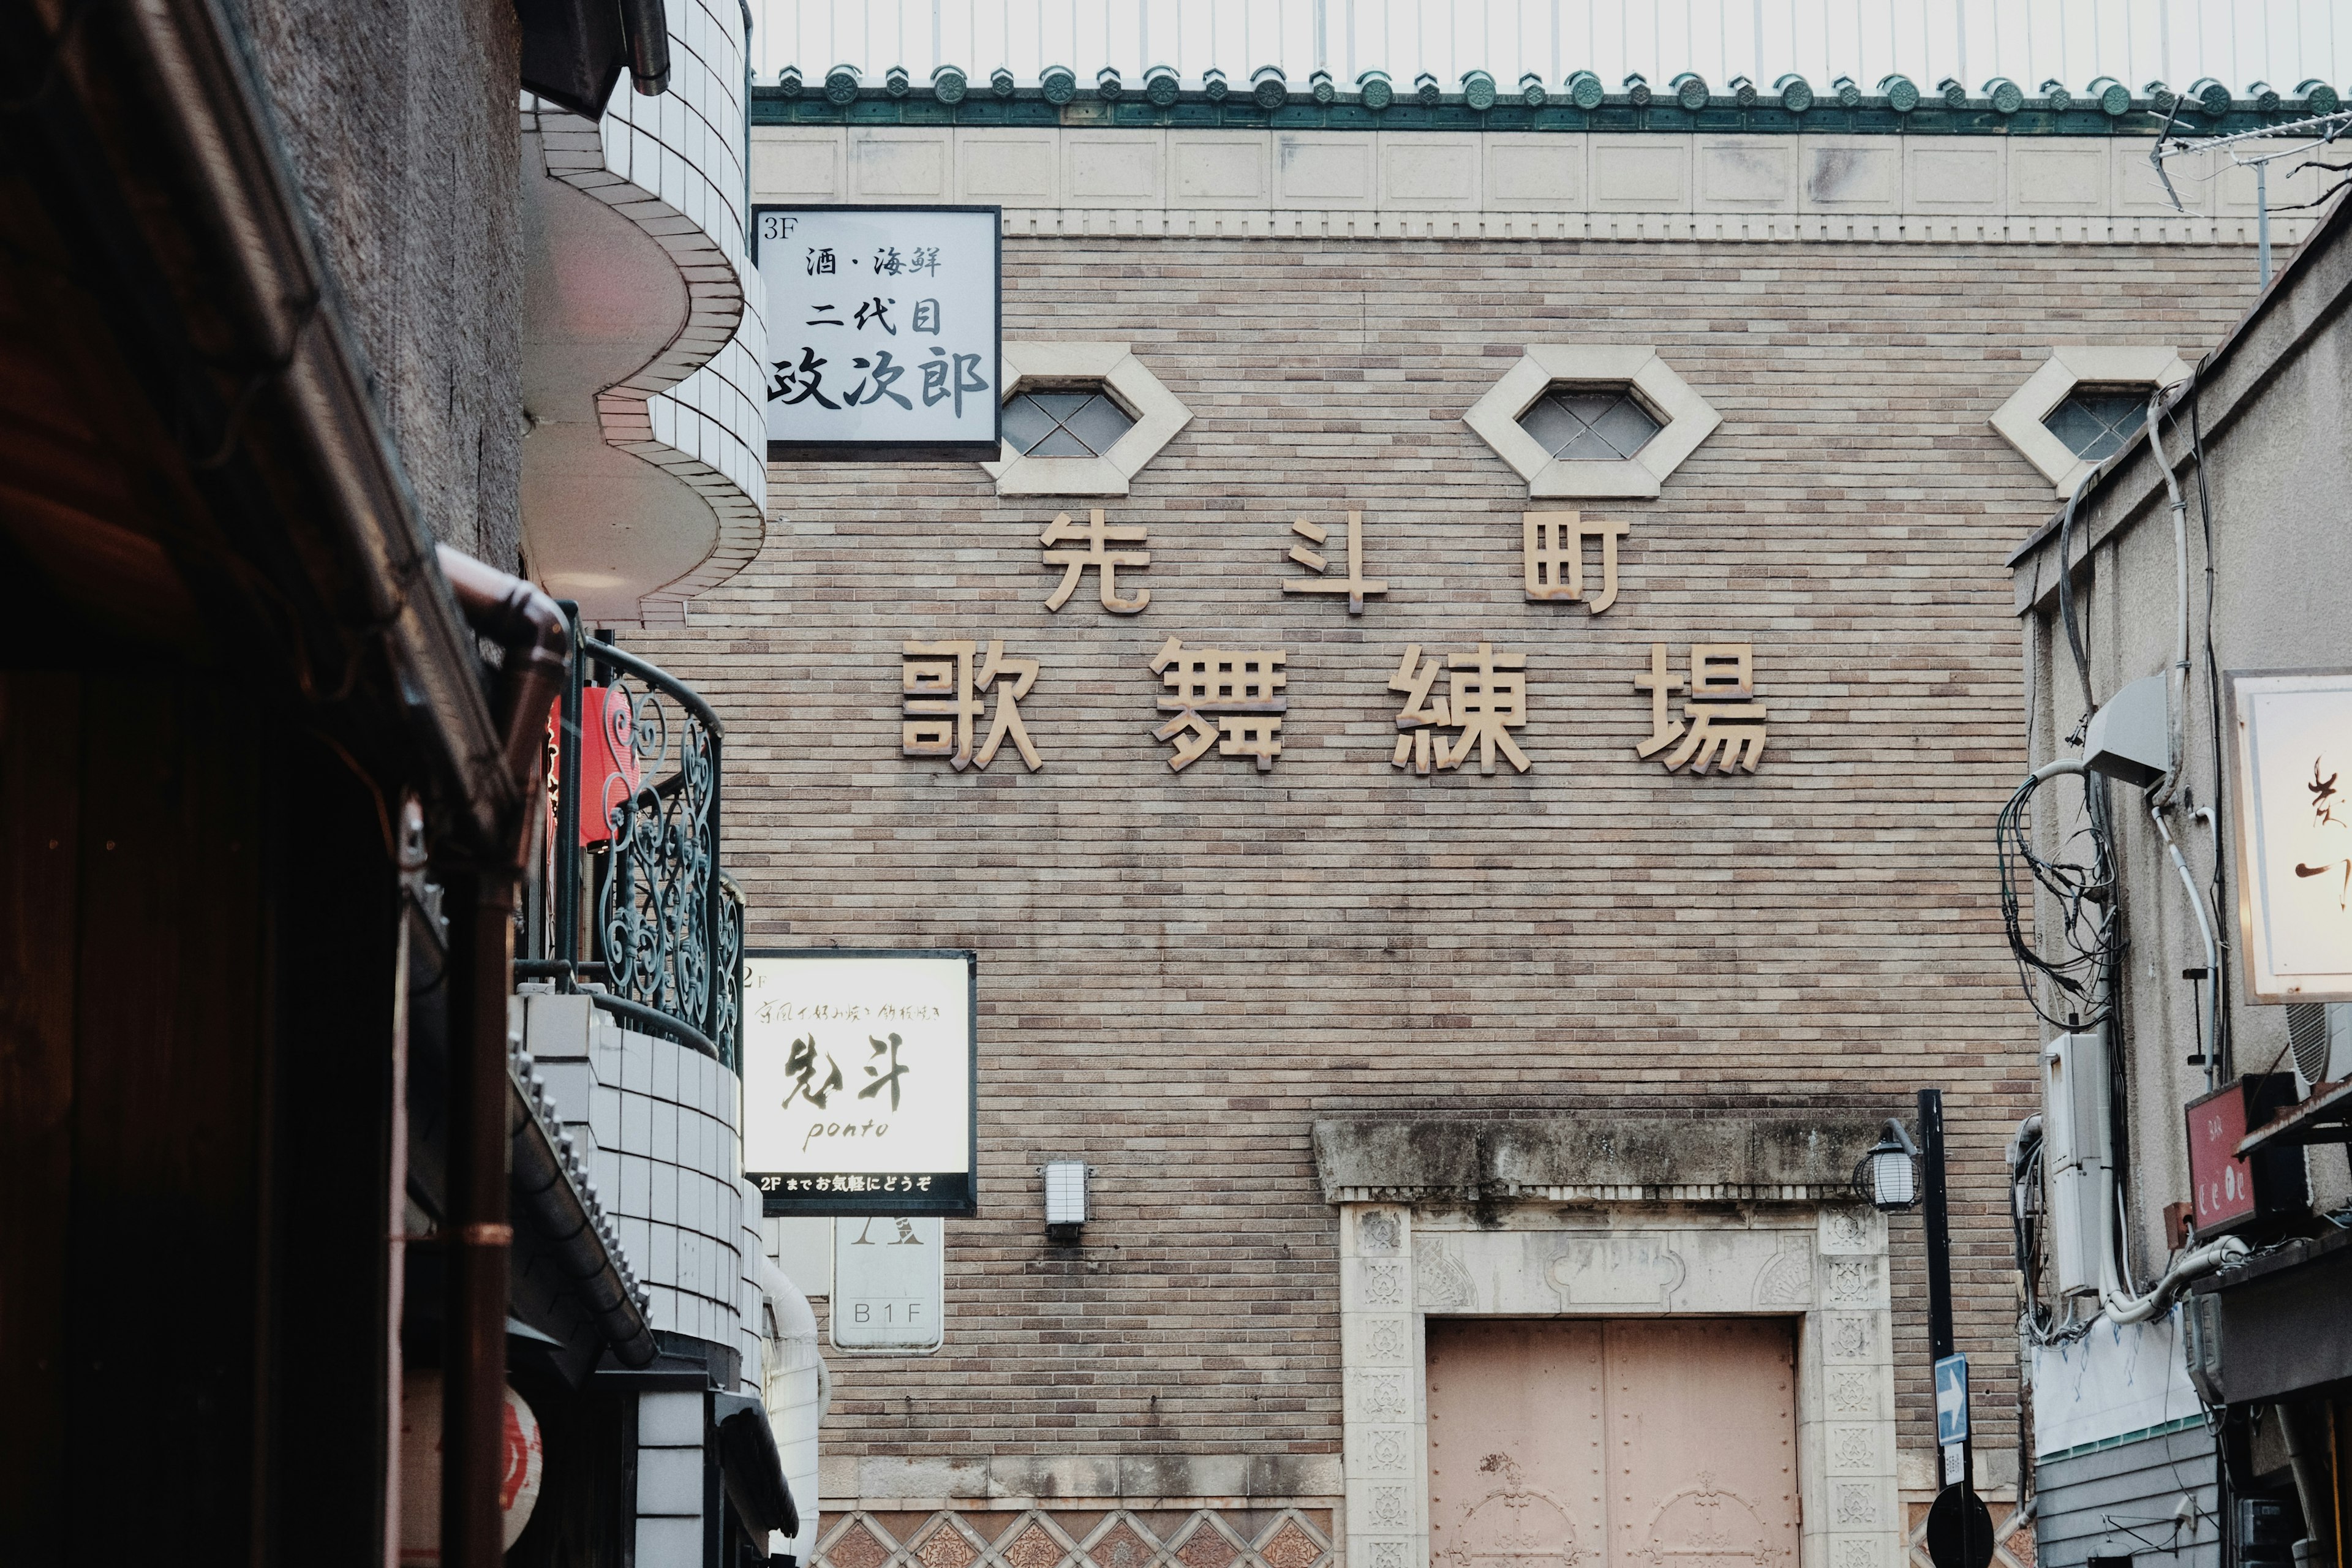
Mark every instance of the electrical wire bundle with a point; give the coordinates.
(2089, 931)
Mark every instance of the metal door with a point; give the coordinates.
(1620, 1443)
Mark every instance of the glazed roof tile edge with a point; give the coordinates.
(773, 105)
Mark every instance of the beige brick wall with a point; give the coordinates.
(1180, 973)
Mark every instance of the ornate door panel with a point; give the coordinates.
(1702, 1443)
(1517, 1443)
(1611, 1443)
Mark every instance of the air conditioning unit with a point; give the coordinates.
(2075, 1153)
(2320, 1035)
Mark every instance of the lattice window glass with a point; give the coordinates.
(1586, 423)
(2094, 421)
(1065, 422)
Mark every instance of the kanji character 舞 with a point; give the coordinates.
(1220, 695)
(941, 700)
(1722, 724)
(1098, 538)
(1353, 584)
(1488, 700)
(1553, 543)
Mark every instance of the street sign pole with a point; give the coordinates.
(1956, 1475)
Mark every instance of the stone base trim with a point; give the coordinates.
(1146, 1536)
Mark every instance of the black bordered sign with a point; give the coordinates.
(884, 331)
(861, 1079)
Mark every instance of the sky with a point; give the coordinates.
(2282, 42)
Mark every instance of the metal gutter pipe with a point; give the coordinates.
(479, 1234)
(2176, 691)
(239, 177)
(645, 23)
(2212, 984)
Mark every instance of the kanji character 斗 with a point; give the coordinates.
(1721, 725)
(1488, 700)
(942, 700)
(1554, 546)
(1353, 584)
(1096, 555)
(1234, 696)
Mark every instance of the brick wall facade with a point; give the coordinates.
(1180, 973)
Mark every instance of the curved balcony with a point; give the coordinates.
(644, 476)
(634, 910)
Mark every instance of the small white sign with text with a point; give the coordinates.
(889, 1283)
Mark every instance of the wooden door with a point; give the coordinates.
(1619, 1443)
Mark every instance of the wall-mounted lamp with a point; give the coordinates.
(1065, 1198)
(1888, 1174)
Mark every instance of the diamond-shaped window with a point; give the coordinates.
(2096, 421)
(1583, 423)
(1066, 422)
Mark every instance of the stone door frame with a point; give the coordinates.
(1822, 1264)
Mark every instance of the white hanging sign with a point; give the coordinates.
(883, 331)
(859, 1080)
(2291, 792)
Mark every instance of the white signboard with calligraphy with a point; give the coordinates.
(882, 331)
(860, 1080)
(889, 1284)
(2292, 789)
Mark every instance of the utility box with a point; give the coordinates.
(2075, 1153)
(2130, 737)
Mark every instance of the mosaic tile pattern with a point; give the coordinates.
(1037, 1538)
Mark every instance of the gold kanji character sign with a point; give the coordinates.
(1488, 700)
(1228, 694)
(941, 700)
(1721, 723)
(1098, 554)
(1554, 542)
(1353, 584)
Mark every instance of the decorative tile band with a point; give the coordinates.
(1080, 1538)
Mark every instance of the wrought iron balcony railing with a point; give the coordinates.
(633, 909)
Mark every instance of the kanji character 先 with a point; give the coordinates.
(876, 310)
(1489, 699)
(884, 1079)
(885, 372)
(787, 374)
(942, 700)
(1106, 561)
(799, 1062)
(1220, 695)
(1721, 725)
(1353, 584)
(1554, 545)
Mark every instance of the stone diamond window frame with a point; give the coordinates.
(2070, 365)
(1685, 419)
(1159, 414)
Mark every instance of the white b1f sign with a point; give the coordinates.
(889, 1283)
(859, 1080)
(882, 331)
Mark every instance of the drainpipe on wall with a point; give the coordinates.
(478, 1235)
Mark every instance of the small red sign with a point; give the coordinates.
(608, 761)
(2224, 1183)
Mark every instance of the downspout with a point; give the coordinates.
(646, 24)
(2177, 688)
(478, 1235)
